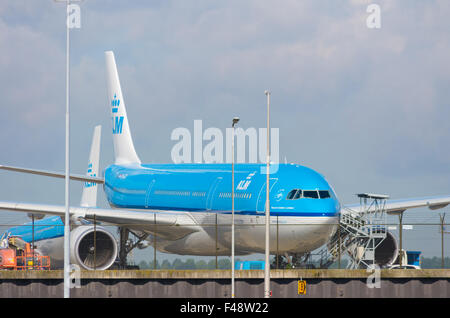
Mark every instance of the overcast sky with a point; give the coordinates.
(367, 108)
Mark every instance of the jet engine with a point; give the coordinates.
(88, 254)
(386, 251)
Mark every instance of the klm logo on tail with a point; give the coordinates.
(117, 121)
(90, 174)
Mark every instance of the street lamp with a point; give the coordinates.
(235, 121)
(72, 21)
(267, 251)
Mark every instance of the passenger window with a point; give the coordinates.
(298, 194)
(291, 194)
(310, 194)
(324, 194)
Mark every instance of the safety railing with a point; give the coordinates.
(39, 262)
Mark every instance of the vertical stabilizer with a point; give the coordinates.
(124, 151)
(89, 194)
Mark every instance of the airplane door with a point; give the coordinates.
(211, 192)
(261, 202)
(149, 191)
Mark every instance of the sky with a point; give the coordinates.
(367, 108)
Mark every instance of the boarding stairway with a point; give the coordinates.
(358, 234)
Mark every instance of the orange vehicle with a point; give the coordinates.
(16, 254)
(8, 258)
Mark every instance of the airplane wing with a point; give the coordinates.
(400, 205)
(77, 177)
(166, 224)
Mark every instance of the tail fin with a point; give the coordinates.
(89, 194)
(123, 143)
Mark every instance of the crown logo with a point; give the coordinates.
(115, 104)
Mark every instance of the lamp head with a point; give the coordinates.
(235, 120)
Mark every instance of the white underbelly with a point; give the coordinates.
(287, 235)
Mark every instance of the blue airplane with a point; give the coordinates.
(183, 208)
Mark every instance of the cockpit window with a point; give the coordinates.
(324, 194)
(298, 194)
(310, 194)
(291, 194)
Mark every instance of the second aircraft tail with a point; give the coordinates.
(89, 194)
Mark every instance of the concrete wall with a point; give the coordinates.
(216, 284)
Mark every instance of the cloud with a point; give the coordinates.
(349, 101)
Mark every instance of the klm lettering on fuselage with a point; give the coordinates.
(117, 121)
(243, 185)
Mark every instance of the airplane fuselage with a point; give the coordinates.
(204, 192)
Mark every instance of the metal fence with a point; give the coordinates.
(431, 240)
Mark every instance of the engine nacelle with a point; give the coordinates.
(82, 247)
(386, 251)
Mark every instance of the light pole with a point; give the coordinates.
(72, 20)
(67, 180)
(235, 121)
(442, 217)
(267, 247)
(400, 219)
